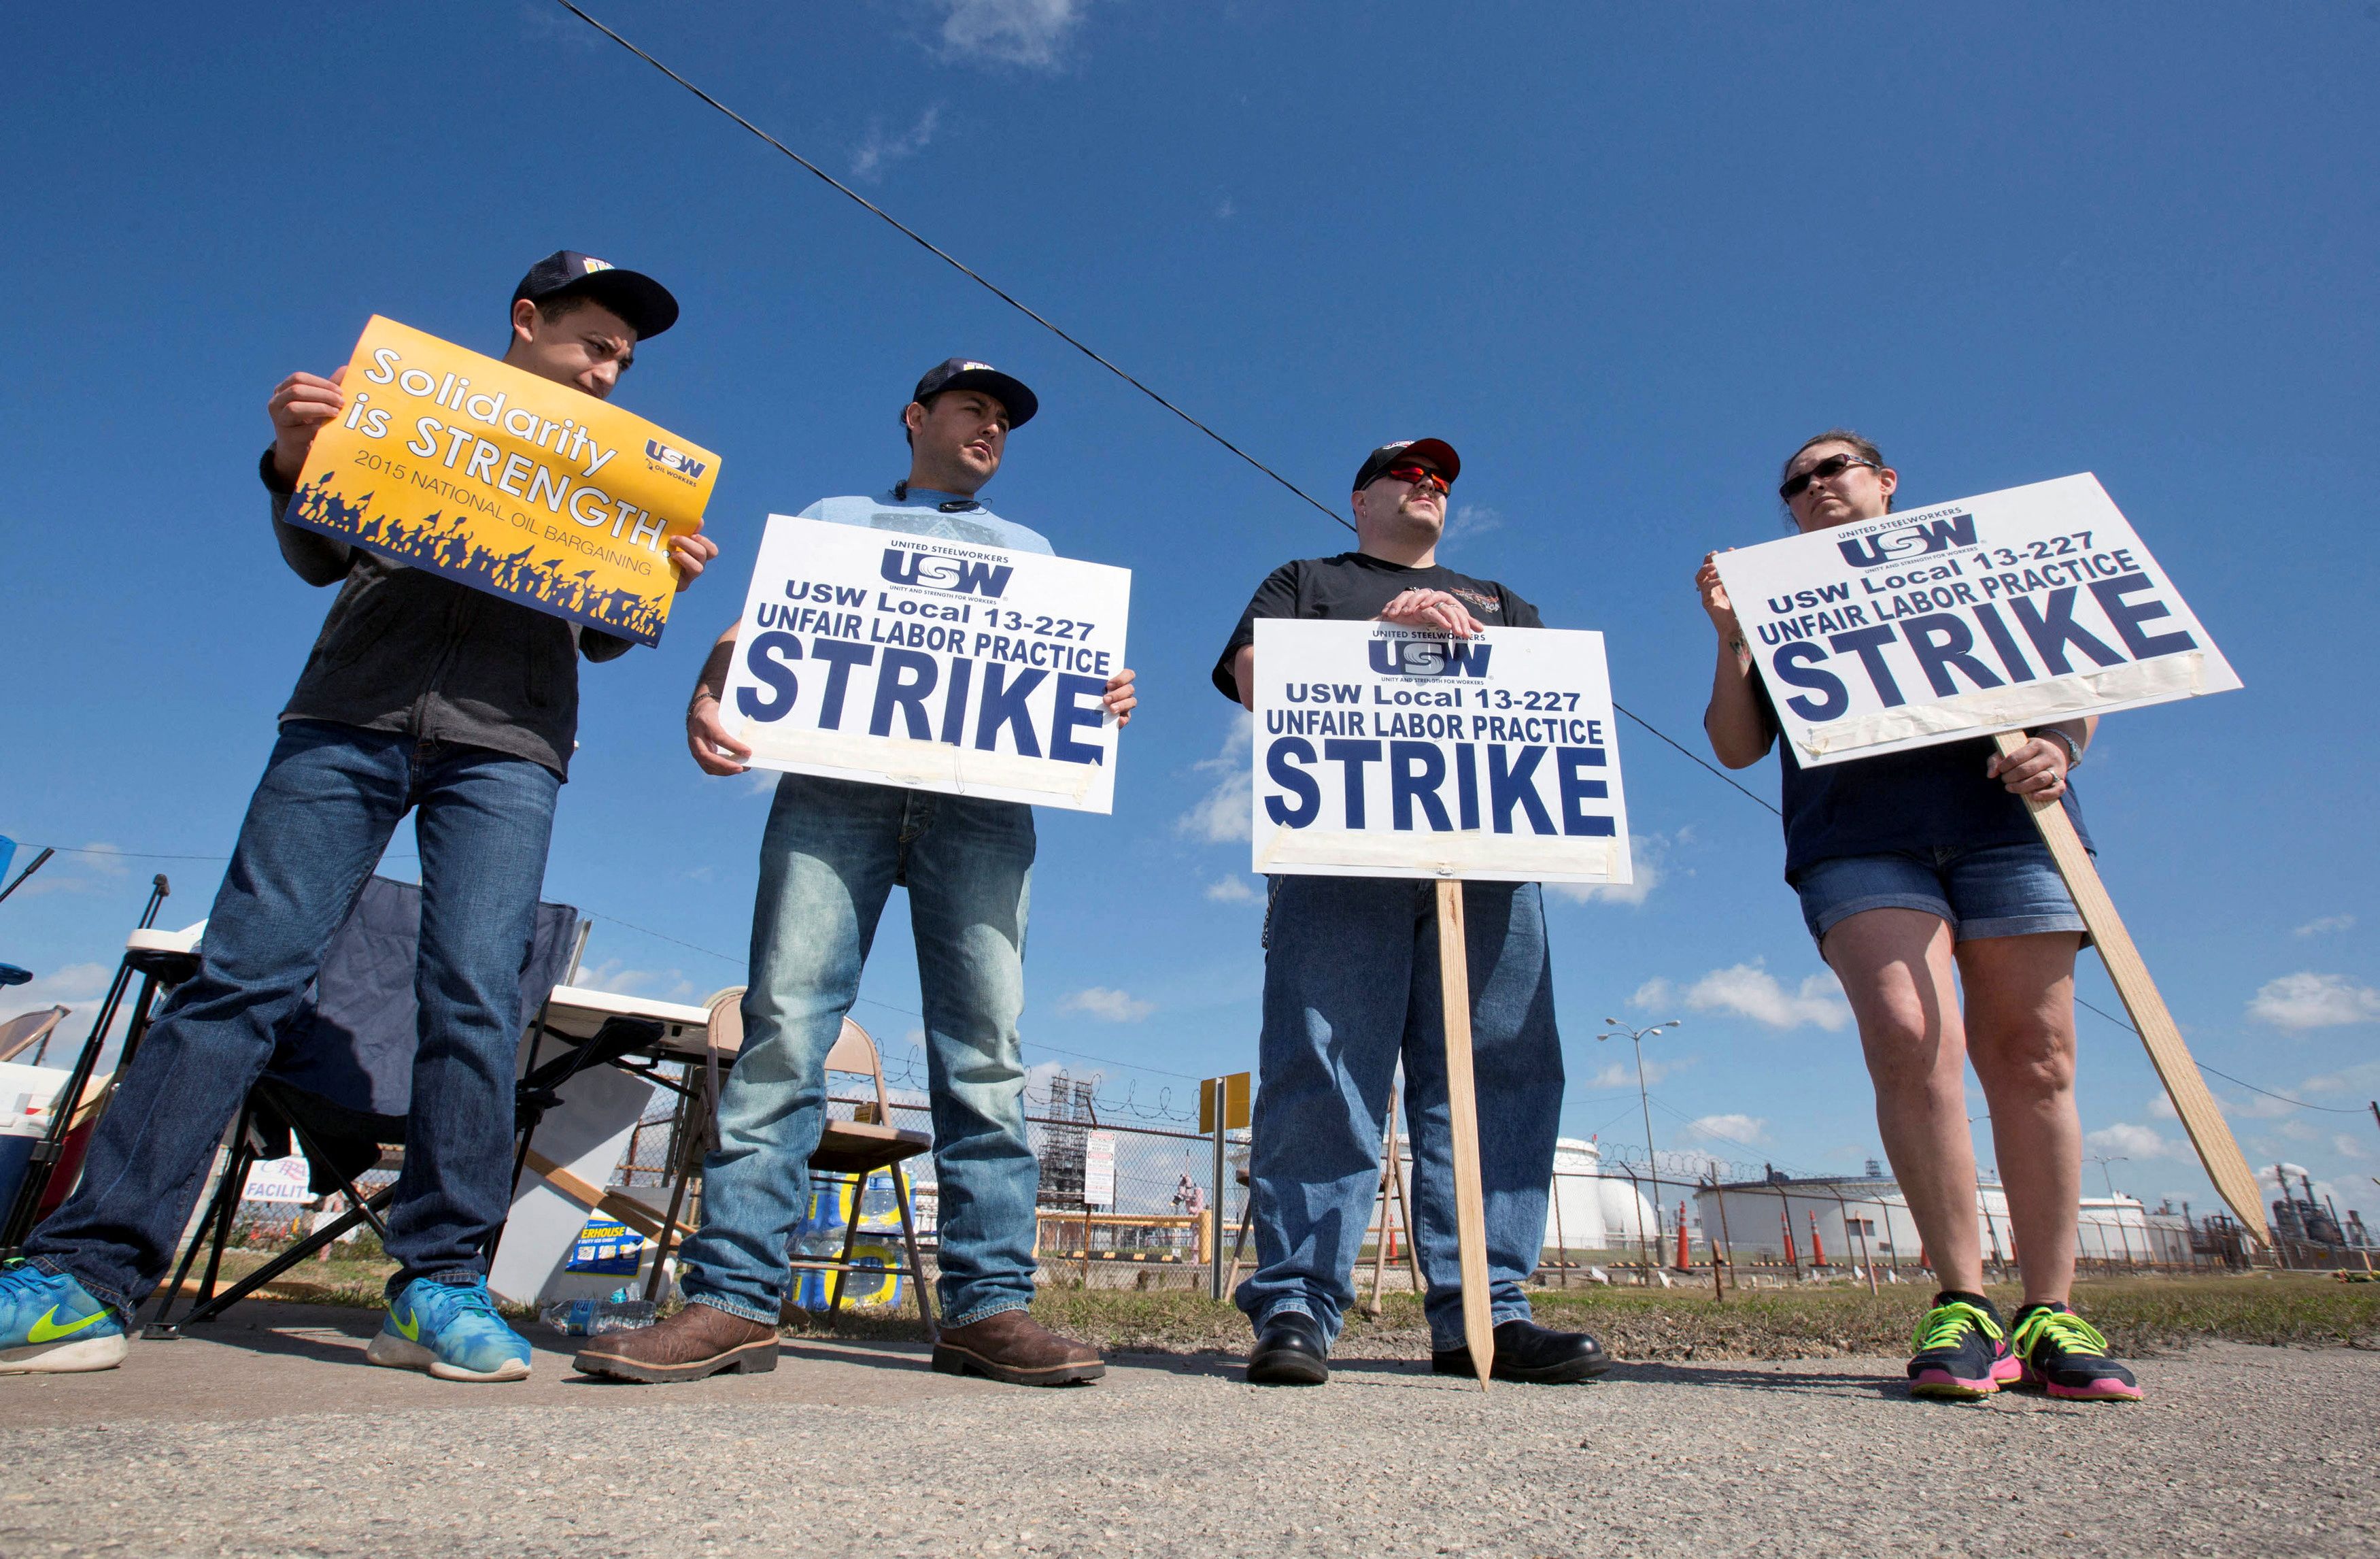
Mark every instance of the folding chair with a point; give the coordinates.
(341, 1082)
(27, 1030)
(163, 961)
(851, 1149)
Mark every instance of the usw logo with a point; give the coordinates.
(1947, 534)
(965, 575)
(1429, 657)
(677, 460)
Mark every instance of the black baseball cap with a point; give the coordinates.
(1436, 450)
(966, 373)
(636, 298)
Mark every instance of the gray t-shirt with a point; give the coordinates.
(918, 511)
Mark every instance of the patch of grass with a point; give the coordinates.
(2139, 1316)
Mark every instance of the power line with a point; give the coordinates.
(956, 263)
(947, 258)
(1665, 736)
(2325, 1109)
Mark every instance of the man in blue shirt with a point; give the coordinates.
(833, 851)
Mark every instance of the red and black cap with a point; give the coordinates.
(1435, 450)
(636, 298)
(967, 373)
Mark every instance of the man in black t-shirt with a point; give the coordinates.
(1351, 983)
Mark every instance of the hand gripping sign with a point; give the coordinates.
(1990, 614)
(1382, 752)
(1981, 617)
(931, 664)
(504, 481)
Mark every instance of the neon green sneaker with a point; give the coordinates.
(52, 1326)
(452, 1331)
(1961, 1352)
(2064, 1355)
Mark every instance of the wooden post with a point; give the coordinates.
(1388, 1173)
(1406, 1217)
(1463, 1109)
(2208, 1134)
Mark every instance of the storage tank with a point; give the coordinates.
(1595, 1213)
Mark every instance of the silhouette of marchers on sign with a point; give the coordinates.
(443, 545)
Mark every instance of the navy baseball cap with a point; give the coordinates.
(1435, 450)
(636, 298)
(966, 373)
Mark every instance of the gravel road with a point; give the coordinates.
(276, 1439)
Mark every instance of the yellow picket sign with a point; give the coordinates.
(494, 478)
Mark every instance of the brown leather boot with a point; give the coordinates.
(1010, 1346)
(698, 1341)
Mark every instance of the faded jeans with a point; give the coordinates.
(832, 853)
(1351, 984)
(331, 797)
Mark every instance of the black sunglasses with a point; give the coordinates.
(1832, 465)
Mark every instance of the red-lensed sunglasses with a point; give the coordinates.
(1420, 476)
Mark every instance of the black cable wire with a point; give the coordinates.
(1665, 736)
(2325, 1109)
(960, 266)
(949, 259)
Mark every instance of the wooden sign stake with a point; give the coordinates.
(1463, 1108)
(2208, 1132)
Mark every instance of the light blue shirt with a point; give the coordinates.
(948, 517)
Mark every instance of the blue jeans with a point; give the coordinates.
(331, 797)
(832, 853)
(1351, 983)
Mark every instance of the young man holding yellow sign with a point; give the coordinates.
(422, 695)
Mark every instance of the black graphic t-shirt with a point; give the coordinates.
(1922, 799)
(1353, 587)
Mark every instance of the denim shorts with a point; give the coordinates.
(1982, 891)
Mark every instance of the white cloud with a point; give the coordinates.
(1222, 815)
(2126, 1140)
(1225, 210)
(2306, 1000)
(1108, 1006)
(879, 150)
(1623, 1074)
(1231, 890)
(2363, 1077)
(1744, 1131)
(1468, 523)
(612, 974)
(92, 869)
(1750, 991)
(1647, 852)
(79, 986)
(2321, 923)
(1030, 32)
(2161, 1108)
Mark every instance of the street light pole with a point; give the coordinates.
(1644, 1101)
(2109, 1175)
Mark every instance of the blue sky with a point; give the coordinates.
(1624, 259)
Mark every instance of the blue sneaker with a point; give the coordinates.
(52, 1326)
(452, 1331)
